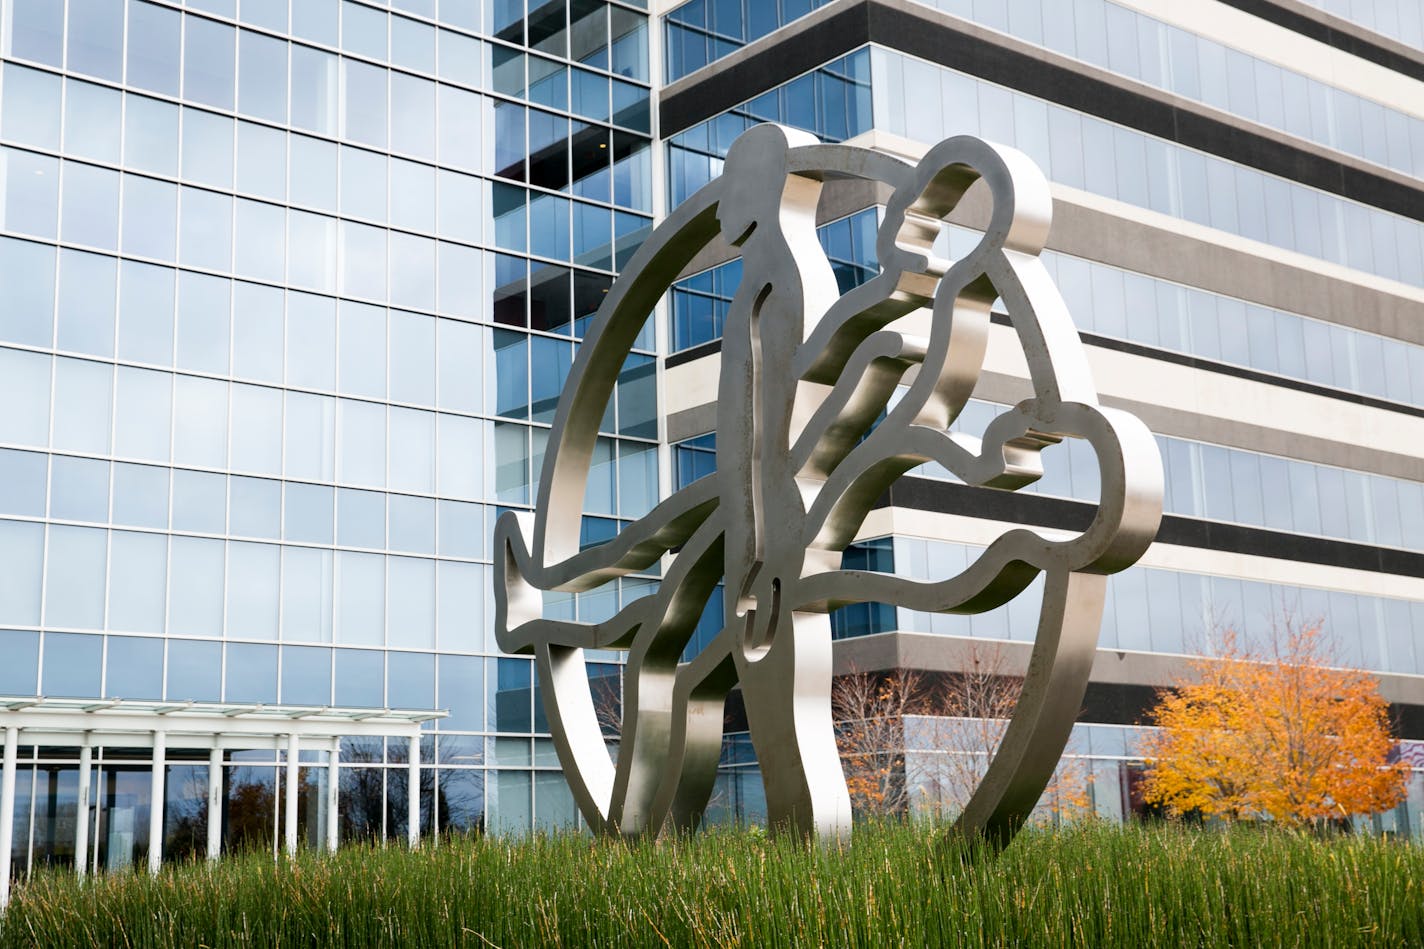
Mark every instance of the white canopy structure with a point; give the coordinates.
(216, 727)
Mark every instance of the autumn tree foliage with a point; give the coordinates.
(1281, 733)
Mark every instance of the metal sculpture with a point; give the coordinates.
(805, 374)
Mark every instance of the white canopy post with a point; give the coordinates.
(155, 802)
(7, 811)
(81, 811)
(215, 802)
(293, 753)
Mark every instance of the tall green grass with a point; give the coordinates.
(893, 886)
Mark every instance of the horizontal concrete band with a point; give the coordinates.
(1123, 686)
(941, 497)
(1337, 33)
(938, 37)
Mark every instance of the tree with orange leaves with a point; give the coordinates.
(1282, 733)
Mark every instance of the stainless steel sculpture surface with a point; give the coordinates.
(805, 374)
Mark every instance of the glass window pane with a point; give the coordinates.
(30, 108)
(307, 577)
(90, 209)
(133, 668)
(138, 576)
(142, 420)
(21, 572)
(306, 676)
(412, 602)
(361, 598)
(31, 190)
(252, 571)
(86, 303)
(91, 121)
(151, 135)
(251, 673)
(22, 482)
(153, 48)
(75, 560)
(360, 678)
(262, 61)
(79, 489)
(140, 495)
(71, 664)
(309, 513)
(27, 312)
(20, 673)
(82, 399)
(96, 38)
(194, 671)
(208, 61)
(362, 436)
(196, 592)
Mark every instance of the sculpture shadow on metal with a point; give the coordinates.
(805, 374)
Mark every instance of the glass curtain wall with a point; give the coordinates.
(290, 291)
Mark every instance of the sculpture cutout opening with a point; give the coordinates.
(807, 441)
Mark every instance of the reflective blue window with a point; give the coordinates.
(194, 670)
(360, 678)
(306, 675)
(133, 668)
(71, 664)
(251, 673)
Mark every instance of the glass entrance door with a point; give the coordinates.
(121, 818)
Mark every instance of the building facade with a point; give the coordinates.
(1237, 233)
(288, 291)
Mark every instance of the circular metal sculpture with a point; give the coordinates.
(805, 375)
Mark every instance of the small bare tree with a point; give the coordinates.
(973, 710)
(870, 711)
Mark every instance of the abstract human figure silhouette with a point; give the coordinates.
(807, 440)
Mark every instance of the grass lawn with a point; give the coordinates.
(893, 886)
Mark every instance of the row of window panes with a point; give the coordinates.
(833, 101)
(1124, 305)
(217, 65)
(1121, 304)
(268, 243)
(208, 423)
(1154, 610)
(68, 577)
(1244, 487)
(575, 30)
(198, 323)
(96, 491)
(700, 302)
(622, 479)
(195, 586)
(133, 667)
(926, 102)
(703, 31)
(320, 21)
(1125, 41)
(530, 371)
(100, 124)
(1400, 21)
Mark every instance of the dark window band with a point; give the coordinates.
(942, 497)
(936, 41)
(1299, 21)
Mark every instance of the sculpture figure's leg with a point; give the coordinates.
(786, 690)
(1048, 705)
